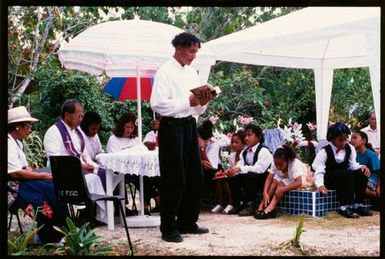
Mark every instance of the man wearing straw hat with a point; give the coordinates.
(27, 186)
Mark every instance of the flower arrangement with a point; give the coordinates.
(292, 132)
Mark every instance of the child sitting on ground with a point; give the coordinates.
(286, 173)
(336, 168)
(367, 156)
(221, 181)
(250, 172)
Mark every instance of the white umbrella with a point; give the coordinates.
(128, 48)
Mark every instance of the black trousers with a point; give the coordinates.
(180, 174)
(349, 185)
(244, 187)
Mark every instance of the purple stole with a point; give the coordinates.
(68, 141)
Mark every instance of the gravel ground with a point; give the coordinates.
(229, 235)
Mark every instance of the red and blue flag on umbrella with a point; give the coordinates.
(124, 88)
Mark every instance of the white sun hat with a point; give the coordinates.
(19, 114)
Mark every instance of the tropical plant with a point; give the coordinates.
(294, 242)
(34, 150)
(19, 245)
(80, 241)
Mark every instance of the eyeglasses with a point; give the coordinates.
(29, 126)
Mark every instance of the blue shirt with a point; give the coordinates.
(370, 159)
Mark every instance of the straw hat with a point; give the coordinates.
(19, 114)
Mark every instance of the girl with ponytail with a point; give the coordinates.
(286, 173)
(367, 156)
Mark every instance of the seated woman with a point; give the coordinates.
(367, 156)
(90, 126)
(27, 185)
(286, 173)
(125, 135)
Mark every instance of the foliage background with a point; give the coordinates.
(37, 80)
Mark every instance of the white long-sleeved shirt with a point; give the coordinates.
(319, 163)
(16, 156)
(54, 146)
(265, 158)
(115, 143)
(212, 151)
(171, 90)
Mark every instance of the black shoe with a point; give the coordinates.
(155, 210)
(174, 238)
(348, 213)
(131, 212)
(248, 211)
(197, 230)
(265, 215)
(362, 211)
(147, 212)
(235, 210)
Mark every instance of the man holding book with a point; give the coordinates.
(180, 167)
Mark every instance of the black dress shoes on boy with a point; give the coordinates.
(348, 213)
(362, 211)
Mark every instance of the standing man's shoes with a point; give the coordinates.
(174, 238)
(197, 230)
(348, 213)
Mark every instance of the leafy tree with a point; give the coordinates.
(352, 96)
(34, 34)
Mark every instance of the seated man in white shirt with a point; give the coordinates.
(65, 138)
(373, 133)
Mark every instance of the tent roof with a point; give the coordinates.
(331, 37)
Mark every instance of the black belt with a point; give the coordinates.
(177, 119)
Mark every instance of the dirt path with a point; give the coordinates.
(233, 235)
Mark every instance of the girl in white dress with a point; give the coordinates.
(286, 173)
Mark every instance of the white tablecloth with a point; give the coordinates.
(136, 160)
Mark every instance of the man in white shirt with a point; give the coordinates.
(179, 161)
(372, 132)
(65, 138)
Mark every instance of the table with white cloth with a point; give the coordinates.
(136, 160)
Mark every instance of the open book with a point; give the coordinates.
(214, 90)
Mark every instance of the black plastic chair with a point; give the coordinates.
(71, 187)
(13, 210)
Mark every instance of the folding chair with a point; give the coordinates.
(13, 210)
(71, 187)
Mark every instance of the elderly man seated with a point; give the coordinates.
(65, 138)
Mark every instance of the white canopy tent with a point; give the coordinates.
(318, 38)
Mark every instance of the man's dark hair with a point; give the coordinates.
(89, 118)
(185, 39)
(257, 131)
(69, 106)
(370, 114)
(119, 127)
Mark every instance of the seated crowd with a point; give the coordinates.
(352, 169)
